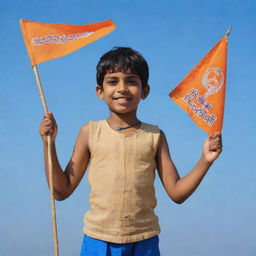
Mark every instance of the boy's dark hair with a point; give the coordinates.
(121, 59)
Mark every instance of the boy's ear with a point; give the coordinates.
(145, 92)
(100, 92)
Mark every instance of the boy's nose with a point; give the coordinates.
(122, 87)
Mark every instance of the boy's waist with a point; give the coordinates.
(121, 227)
(120, 215)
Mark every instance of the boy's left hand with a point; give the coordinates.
(212, 147)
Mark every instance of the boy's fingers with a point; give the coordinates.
(217, 135)
(216, 144)
(47, 123)
(215, 147)
(51, 116)
(48, 115)
(53, 119)
(216, 138)
(216, 141)
(210, 137)
(46, 131)
(47, 120)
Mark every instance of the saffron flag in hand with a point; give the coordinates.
(202, 92)
(49, 41)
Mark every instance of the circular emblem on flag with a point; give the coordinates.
(212, 80)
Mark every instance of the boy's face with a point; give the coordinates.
(122, 91)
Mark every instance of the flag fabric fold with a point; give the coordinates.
(49, 41)
(202, 92)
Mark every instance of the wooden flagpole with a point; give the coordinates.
(49, 150)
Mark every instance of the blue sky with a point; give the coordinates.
(219, 218)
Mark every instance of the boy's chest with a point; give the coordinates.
(130, 149)
(124, 159)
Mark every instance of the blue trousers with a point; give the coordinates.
(95, 247)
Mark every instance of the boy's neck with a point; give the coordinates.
(122, 120)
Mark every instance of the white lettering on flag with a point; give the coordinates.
(55, 39)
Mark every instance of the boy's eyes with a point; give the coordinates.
(113, 82)
(132, 81)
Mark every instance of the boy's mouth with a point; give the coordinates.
(122, 99)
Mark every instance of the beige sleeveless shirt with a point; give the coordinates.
(121, 176)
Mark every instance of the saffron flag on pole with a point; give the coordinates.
(202, 92)
(49, 41)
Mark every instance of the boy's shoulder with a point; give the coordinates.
(85, 128)
(150, 127)
(92, 125)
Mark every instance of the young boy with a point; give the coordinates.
(122, 153)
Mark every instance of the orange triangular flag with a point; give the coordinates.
(49, 41)
(202, 93)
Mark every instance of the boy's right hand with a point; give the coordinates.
(48, 126)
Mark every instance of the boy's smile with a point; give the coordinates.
(122, 91)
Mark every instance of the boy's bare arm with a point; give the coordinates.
(65, 182)
(179, 189)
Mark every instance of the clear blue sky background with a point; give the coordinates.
(219, 218)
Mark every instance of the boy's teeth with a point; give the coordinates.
(122, 98)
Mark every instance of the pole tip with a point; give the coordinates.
(229, 31)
